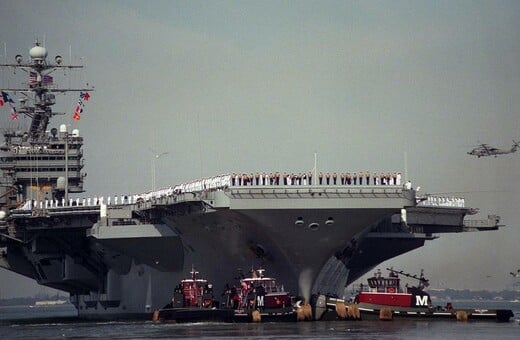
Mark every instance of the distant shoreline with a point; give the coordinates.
(40, 301)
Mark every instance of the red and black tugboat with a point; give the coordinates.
(192, 301)
(385, 298)
(259, 298)
(386, 292)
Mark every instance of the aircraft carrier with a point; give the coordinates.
(122, 256)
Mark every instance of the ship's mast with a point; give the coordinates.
(40, 88)
(53, 159)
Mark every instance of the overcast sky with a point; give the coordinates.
(228, 86)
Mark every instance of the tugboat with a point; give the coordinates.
(259, 298)
(386, 293)
(384, 298)
(192, 301)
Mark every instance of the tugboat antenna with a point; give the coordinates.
(193, 272)
(422, 281)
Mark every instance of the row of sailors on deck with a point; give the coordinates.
(211, 183)
(86, 202)
(224, 181)
(443, 201)
(344, 178)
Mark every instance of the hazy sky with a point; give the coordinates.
(229, 86)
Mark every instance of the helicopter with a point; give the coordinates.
(487, 150)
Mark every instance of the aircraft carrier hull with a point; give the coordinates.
(124, 260)
(289, 232)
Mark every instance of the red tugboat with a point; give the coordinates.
(192, 301)
(387, 291)
(259, 298)
(384, 298)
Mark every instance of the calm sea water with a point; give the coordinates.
(59, 322)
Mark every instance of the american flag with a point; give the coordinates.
(33, 79)
(47, 80)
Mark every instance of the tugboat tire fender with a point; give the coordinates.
(461, 315)
(256, 316)
(155, 315)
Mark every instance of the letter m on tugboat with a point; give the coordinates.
(421, 300)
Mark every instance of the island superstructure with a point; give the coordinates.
(119, 255)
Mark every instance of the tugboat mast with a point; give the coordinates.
(423, 282)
